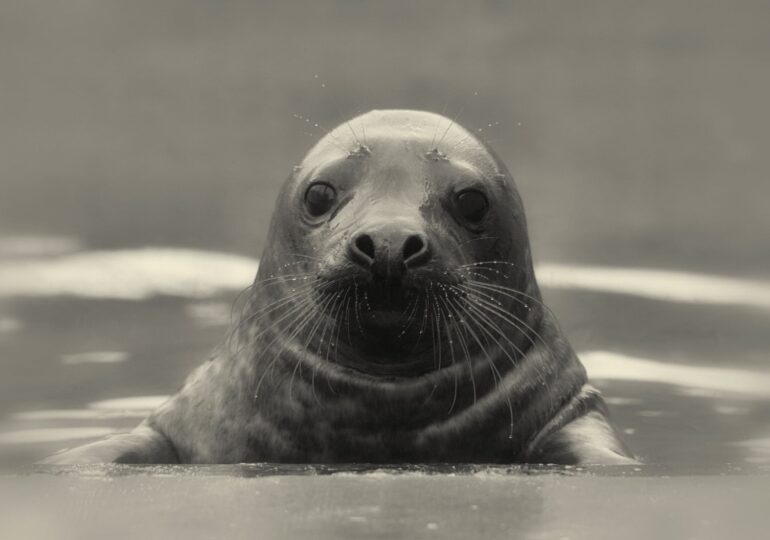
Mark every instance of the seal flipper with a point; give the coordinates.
(580, 434)
(143, 445)
(588, 440)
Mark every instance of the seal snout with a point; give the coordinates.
(388, 252)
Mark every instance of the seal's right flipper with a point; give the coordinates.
(143, 445)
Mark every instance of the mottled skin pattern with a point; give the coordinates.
(458, 361)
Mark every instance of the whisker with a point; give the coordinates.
(496, 375)
(476, 239)
(451, 123)
(314, 317)
(410, 317)
(307, 312)
(509, 292)
(464, 347)
(338, 323)
(303, 295)
(442, 309)
(487, 305)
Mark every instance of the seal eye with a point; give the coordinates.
(319, 198)
(472, 205)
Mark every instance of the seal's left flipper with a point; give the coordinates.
(588, 440)
(581, 435)
(143, 445)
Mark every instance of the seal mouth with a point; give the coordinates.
(384, 305)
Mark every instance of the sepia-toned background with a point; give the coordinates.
(637, 133)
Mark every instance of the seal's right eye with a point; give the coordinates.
(472, 205)
(319, 198)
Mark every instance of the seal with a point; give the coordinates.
(395, 317)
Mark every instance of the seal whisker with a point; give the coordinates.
(509, 292)
(331, 316)
(491, 324)
(237, 299)
(476, 239)
(293, 293)
(274, 281)
(433, 328)
(451, 123)
(299, 322)
(305, 311)
(355, 136)
(338, 322)
(303, 295)
(338, 325)
(298, 307)
(437, 319)
(412, 309)
(424, 323)
(486, 317)
(302, 256)
(442, 309)
(436, 339)
(490, 306)
(356, 308)
(464, 347)
(487, 263)
(317, 319)
(312, 318)
(496, 375)
(272, 306)
(330, 324)
(363, 133)
(347, 320)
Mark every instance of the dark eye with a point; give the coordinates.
(319, 198)
(472, 205)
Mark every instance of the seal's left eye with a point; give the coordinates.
(319, 198)
(472, 205)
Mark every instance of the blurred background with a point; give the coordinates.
(637, 133)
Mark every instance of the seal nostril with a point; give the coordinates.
(412, 246)
(366, 245)
(415, 250)
(363, 249)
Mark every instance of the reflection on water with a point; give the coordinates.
(92, 341)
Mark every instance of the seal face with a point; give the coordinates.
(395, 317)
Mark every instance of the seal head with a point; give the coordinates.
(390, 220)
